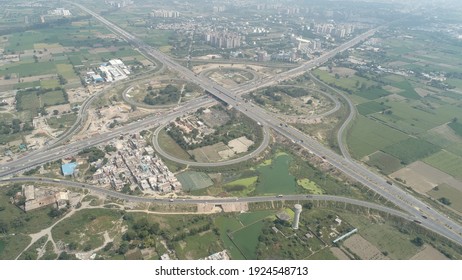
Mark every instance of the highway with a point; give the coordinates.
(435, 221)
(213, 200)
(43, 156)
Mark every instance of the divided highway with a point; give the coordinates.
(418, 210)
(434, 220)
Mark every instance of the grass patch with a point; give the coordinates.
(191, 180)
(247, 239)
(225, 226)
(310, 186)
(373, 93)
(370, 108)
(446, 162)
(198, 246)
(456, 127)
(367, 136)
(384, 162)
(252, 217)
(170, 146)
(454, 195)
(411, 149)
(86, 228)
(11, 246)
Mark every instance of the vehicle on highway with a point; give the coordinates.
(171, 200)
(279, 195)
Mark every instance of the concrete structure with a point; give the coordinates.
(68, 169)
(298, 211)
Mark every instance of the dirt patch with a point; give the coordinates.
(343, 72)
(240, 145)
(339, 254)
(392, 89)
(423, 92)
(445, 131)
(363, 248)
(423, 177)
(429, 253)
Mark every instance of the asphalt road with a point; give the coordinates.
(213, 200)
(429, 218)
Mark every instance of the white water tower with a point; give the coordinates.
(298, 211)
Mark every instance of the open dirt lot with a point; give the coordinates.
(429, 253)
(240, 145)
(339, 254)
(363, 248)
(423, 177)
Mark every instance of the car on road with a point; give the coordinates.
(279, 195)
(171, 200)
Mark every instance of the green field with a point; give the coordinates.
(384, 236)
(373, 93)
(408, 90)
(11, 246)
(170, 146)
(446, 162)
(247, 182)
(454, 195)
(247, 239)
(252, 217)
(53, 98)
(309, 185)
(86, 228)
(225, 226)
(411, 149)
(29, 69)
(66, 70)
(367, 136)
(191, 180)
(456, 127)
(384, 162)
(275, 178)
(198, 246)
(370, 108)
(64, 121)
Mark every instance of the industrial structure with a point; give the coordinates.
(298, 211)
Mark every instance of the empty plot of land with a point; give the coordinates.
(423, 177)
(339, 254)
(363, 248)
(240, 145)
(194, 180)
(213, 117)
(429, 253)
(392, 89)
(211, 153)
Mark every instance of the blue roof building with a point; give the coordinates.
(68, 168)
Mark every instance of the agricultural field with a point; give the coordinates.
(367, 136)
(191, 180)
(384, 162)
(446, 162)
(445, 191)
(411, 149)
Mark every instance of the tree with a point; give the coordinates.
(417, 241)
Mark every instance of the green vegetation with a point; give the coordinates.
(384, 162)
(84, 230)
(371, 107)
(170, 146)
(446, 162)
(191, 180)
(411, 149)
(448, 194)
(310, 186)
(12, 246)
(93, 154)
(275, 178)
(168, 95)
(457, 127)
(247, 239)
(14, 220)
(367, 136)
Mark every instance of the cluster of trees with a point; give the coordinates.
(15, 126)
(93, 153)
(167, 95)
(239, 125)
